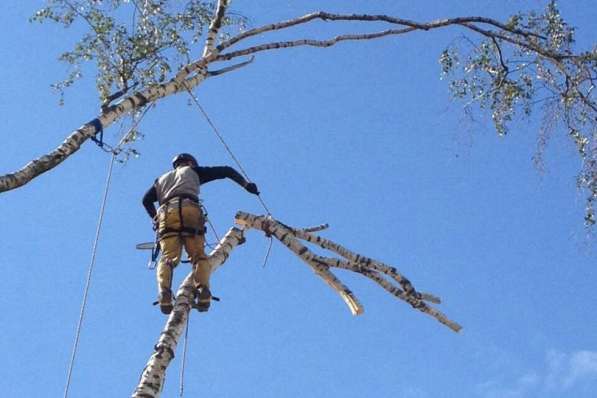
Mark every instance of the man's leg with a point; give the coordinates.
(171, 250)
(195, 247)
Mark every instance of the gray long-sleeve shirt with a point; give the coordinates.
(172, 184)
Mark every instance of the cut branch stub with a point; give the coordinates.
(366, 266)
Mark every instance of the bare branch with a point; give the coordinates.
(354, 262)
(316, 228)
(326, 16)
(310, 42)
(214, 27)
(230, 68)
(499, 50)
(74, 141)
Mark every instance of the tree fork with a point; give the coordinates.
(152, 378)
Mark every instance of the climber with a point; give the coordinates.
(180, 221)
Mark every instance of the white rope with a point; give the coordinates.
(184, 359)
(221, 138)
(115, 152)
(88, 280)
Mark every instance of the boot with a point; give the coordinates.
(165, 301)
(202, 299)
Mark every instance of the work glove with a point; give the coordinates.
(252, 188)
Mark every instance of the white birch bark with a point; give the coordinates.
(214, 27)
(74, 141)
(192, 74)
(366, 266)
(152, 378)
(285, 235)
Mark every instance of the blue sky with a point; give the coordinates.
(362, 136)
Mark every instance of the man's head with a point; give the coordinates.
(184, 159)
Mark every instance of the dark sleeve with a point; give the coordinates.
(149, 198)
(207, 174)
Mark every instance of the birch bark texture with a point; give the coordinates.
(402, 288)
(153, 376)
(511, 62)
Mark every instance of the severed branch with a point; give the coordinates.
(366, 266)
(153, 375)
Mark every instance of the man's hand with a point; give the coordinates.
(252, 188)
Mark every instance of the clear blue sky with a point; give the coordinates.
(361, 136)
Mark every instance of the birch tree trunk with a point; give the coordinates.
(153, 375)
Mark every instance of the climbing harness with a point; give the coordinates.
(177, 204)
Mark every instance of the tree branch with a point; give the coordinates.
(74, 141)
(230, 68)
(311, 42)
(326, 16)
(214, 27)
(354, 262)
(197, 70)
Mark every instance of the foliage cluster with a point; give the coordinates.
(510, 74)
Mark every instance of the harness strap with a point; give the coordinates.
(188, 230)
(183, 229)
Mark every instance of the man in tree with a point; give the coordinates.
(180, 221)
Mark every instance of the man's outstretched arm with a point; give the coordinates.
(207, 174)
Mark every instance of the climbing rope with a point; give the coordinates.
(221, 138)
(241, 168)
(184, 359)
(89, 273)
(115, 151)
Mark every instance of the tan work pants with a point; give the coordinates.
(171, 243)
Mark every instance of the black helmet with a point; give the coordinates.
(183, 157)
